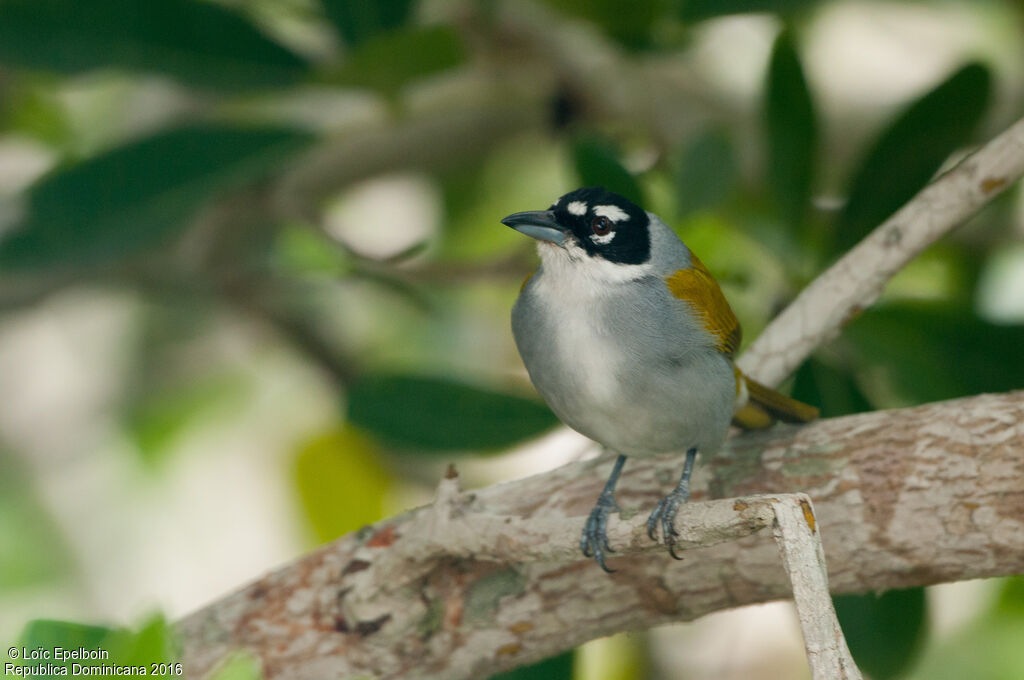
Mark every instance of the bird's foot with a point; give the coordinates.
(594, 541)
(665, 514)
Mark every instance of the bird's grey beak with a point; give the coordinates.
(540, 224)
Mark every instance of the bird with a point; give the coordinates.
(629, 339)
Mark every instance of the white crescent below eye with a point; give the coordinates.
(603, 239)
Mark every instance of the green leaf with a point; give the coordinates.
(704, 172)
(437, 414)
(136, 196)
(390, 61)
(201, 43)
(699, 10)
(791, 131)
(833, 391)
(154, 643)
(341, 482)
(359, 20)
(32, 549)
(597, 164)
(558, 667)
(885, 632)
(931, 351)
(157, 418)
(910, 151)
(629, 23)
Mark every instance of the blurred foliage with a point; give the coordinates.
(341, 482)
(32, 552)
(556, 668)
(152, 646)
(597, 164)
(884, 632)
(910, 151)
(201, 43)
(193, 202)
(438, 414)
(389, 61)
(153, 650)
(791, 132)
(136, 196)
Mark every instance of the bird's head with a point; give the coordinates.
(590, 223)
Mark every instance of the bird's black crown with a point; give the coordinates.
(605, 224)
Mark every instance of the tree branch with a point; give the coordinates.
(904, 498)
(484, 582)
(854, 282)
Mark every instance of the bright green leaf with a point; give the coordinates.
(153, 643)
(597, 164)
(199, 42)
(704, 172)
(138, 195)
(910, 151)
(558, 667)
(987, 649)
(341, 482)
(885, 632)
(791, 132)
(32, 550)
(359, 20)
(437, 414)
(389, 61)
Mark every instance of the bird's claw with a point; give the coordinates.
(665, 514)
(594, 541)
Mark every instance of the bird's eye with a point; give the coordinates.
(601, 225)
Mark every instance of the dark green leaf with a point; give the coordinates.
(909, 152)
(443, 415)
(791, 132)
(885, 632)
(136, 196)
(1011, 597)
(554, 668)
(704, 172)
(389, 61)
(200, 42)
(698, 10)
(628, 22)
(931, 351)
(833, 391)
(597, 164)
(359, 20)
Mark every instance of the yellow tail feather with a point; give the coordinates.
(765, 406)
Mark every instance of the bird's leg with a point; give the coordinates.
(665, 512)
(594, 541)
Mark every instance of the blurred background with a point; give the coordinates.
(254, 293)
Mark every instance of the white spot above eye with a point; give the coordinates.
(612, 212)
(603, 239)
(577, 208)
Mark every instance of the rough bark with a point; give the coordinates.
(906, 497)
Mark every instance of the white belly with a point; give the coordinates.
(619, 375)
